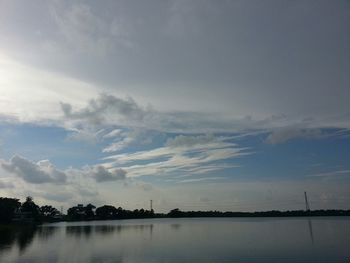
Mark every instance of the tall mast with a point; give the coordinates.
(307, 206)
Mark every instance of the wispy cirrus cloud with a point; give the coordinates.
(332, 173)
(182, 155)
(196, 180)
(122, 139)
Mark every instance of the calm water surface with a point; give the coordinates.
(181, 240)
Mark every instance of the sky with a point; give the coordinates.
(197, 104)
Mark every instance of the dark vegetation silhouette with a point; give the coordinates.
(48, 212)
(274, 213)
(105, 212)
(8, 206)
(12, 211)
(29, 210)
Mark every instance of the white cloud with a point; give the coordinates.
(177, 146)
(46, 89)
(203, 169)
(113, 133)
(36, 173)
(195, 180)
(83, 30)
(80, 187)
(119, 145)
(181, 155)
(116, 146)
(85, 134)
(122, 139)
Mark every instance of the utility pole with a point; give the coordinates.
(151, 203)
(307, 206)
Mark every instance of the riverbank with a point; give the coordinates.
(176, 213)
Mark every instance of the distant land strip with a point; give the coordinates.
(12, 211)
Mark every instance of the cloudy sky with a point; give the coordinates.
(196, 104)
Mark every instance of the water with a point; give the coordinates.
(181, 240)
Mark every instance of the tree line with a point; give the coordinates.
(274, 213)
(12, 210)
(105, 212)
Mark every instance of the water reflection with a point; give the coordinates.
(175, 226)
(79, 231)
(310, 230)
(180, 240)
(22, 236)
(25, 237)
(86, 231)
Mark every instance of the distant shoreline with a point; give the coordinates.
(28, 213)
(216, 214)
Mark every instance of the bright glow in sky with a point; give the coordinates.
(202, 104)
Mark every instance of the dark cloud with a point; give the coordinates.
(85, 192)
(58, 197)
(233, 57)
(105, 107)
(101, 174)
(35, 173)
(289, 133)
(4, 185)
(108, 109)
(190, 141)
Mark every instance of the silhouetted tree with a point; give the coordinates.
(81, 212)
(8, 206)
(175, 213)
(106, 212)
(76, 213)
(89, 211)
(48, 212)
(31, 208)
